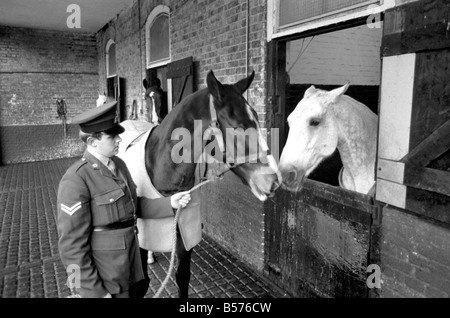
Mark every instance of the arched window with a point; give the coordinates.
(111, 59)
(157, 36)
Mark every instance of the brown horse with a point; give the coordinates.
(155, 98)
(218, 110)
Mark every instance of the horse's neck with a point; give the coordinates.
(357, 129)
(181, 176)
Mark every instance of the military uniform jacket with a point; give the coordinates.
(89, 195)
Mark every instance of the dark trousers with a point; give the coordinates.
(139, 289)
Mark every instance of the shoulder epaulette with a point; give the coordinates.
(78, 164)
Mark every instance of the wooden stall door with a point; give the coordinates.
(115, 87)
(182, 74)
(318, 241)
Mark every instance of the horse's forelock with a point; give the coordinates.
(326, 97)
(318, 94)
(252, 114)
(254, 117)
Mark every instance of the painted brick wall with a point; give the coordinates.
(38, 67)
(415, 256)
(214, 33)
(350, 55)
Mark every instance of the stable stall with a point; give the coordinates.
(325, 241)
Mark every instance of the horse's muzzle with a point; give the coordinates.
(274, 187)
(293, 180)
(290, 177)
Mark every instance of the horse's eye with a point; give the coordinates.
(314, 122)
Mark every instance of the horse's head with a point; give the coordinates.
(102, 98)
(246, 150)
(154, 97)
(313, 135)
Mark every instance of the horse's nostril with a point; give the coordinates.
(290, 177)
(275, 185)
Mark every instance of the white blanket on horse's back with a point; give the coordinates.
(133, 129)
(156, 234)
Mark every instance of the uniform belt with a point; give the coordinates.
(114, 226)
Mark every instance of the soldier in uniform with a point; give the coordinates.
(97, 210)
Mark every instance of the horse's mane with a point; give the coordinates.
(174, 117)
(358, 118)
(354, 107)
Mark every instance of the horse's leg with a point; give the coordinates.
(183, 273)
(150, 258)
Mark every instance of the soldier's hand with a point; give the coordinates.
(180, 199)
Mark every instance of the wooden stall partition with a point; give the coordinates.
(318, 241)
(414, 149)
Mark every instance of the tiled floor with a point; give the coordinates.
(30, 266)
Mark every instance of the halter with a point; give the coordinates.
(213, 128)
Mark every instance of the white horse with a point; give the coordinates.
(321, 122)
(101, 99)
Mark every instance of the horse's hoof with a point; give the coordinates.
(150, 259)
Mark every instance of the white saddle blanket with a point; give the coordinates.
(156, 234)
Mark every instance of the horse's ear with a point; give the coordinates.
(245, 83)
(144, 82)
(338, 92)
(214, 86)
(311, 90)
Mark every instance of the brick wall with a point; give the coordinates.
(234, 217)
(128, 32)
(214, 34)
(26, 143)
(415, 256)
(38, 67)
